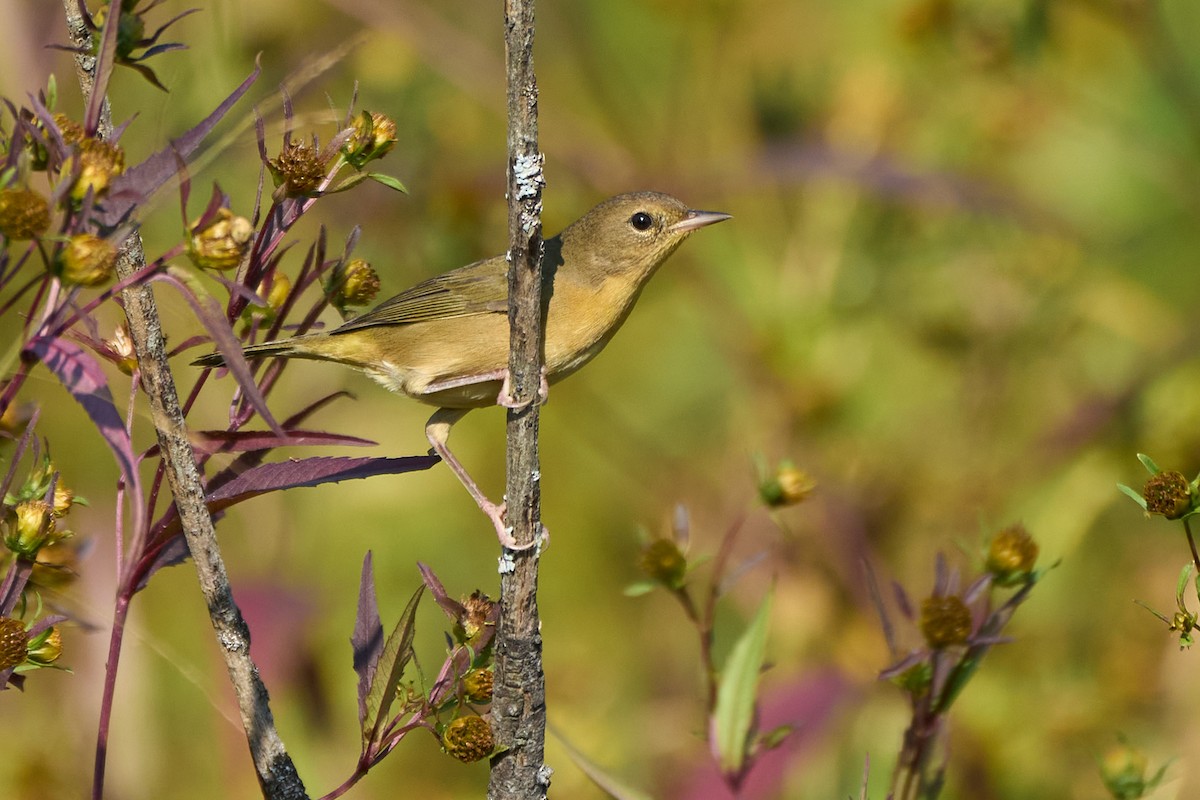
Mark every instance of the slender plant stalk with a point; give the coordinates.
(519, 698)
(277, 774)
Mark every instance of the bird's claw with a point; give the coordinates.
(504, 531)
(506, 399)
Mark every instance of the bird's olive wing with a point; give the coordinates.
(480, 288)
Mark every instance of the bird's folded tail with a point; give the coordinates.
(283, 347)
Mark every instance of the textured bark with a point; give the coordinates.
(519, 698)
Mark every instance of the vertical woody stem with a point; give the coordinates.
(519, 699)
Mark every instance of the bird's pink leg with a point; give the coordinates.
(437, 431)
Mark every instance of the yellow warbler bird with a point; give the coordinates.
(445, 341)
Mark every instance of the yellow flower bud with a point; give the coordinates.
(354, 283)
(13, 642)
(24, 214)
(31, 527)
(99, 163)
(276, 296)
(469, 739)
(1123, 771)
(45, 648)
(221, 243)
(374, 136)
(87, 260)
(72, 131)
(274, 293)
(787, 487)
(1012, 554)
(477, 685)
(64, 498)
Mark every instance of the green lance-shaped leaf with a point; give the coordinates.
(733, 717)
(1133, 493)
(1181, 584)
(392, 662)
(604, 780)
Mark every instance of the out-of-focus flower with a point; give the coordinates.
(945, 621)
(663, 562)
(1012, 555)
(24, 214)
(786, 487)
(72, 132)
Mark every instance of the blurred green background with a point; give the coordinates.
(955, 291)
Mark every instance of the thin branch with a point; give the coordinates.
(276, 773)
(519, 699)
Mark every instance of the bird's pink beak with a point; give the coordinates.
(698, 219)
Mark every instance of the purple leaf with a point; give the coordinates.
(454, 609)
(310, 472)
(253, 458)
(270, 478)
(139, 182)
(889, 630)
(393, 660)
(15, 456)
(103, 72)
(367, 641)
(313, 407)
(81, 375)
(209, 442)
(213, 318)
(902, 600)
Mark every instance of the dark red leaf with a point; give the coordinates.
(85, 380)
(102, 72)
(454, 609)
(367, 640)
(244, 441)
(140, 181)
(272, 477)
(310, 472)
(213, 318)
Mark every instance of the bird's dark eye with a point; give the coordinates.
(641, 221)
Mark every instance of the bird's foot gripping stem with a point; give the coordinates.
(437, 431)
(505, 398)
